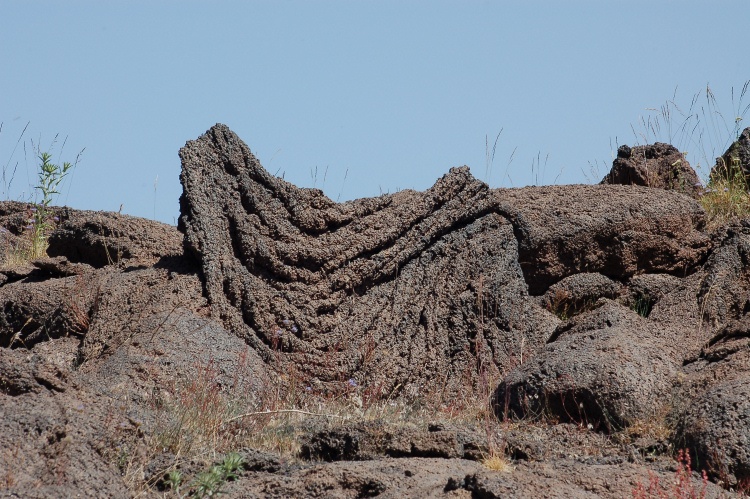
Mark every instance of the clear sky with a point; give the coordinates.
(394, 92)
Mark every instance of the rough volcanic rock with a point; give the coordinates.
(717, 428)
(578, 292)
(48, 434)
(104, 238)
(371, 440)
(61, 266)
(714, 413)
(704, 302)
(658, 165)
(391, 284)
(644, 291)
(383, 290)
(724, 291)
(606, 367)
(617, 231)
(456, 478)
(33, 310)
(737, 156)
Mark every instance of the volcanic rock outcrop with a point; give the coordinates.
(413, 289)
(659, 165)
(606, 320)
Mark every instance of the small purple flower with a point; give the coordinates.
(28, 227)
(352, 383)
(698, 184)
(33, 209)
(3, 230)
(700, 193)
(294, 329)
(80, 407)
(286, 321)
(726, 189)
(277, 334)
(56, 219)
(308, 388)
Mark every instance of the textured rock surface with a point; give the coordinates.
(374, 439)
(402, 312)
(714, 416)
(717, 427)
(737, 155)
(404, 271)
(658, 165)
(617, 231)
(607, 367)
(105, 238)
(401, 272)
(455, 478)
(579, 292)
(47, 440)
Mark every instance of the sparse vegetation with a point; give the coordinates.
(39, 218)
(642, 305)
(704, 130)
(727, 198)
(565, 307)
(209, 482)
(681, 488)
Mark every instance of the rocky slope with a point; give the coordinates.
(595, 329)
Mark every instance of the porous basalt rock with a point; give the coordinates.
(658, 165)
(400, 307)
(579, 292)
(382, 290)
(617, 231)
(713, 414)
(606, 368)
(106, 238)
(409, 290)
(717, 427)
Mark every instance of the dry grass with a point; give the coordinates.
(656, 426)
(726, 199)
(31, 245)
(497, 462)
(205, 416)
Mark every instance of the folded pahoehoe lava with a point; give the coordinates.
(412, 289)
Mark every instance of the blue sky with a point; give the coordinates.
(393, 92)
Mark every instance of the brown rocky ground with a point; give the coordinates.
(382, 347)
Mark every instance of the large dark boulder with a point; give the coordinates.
(383, 291)
(106, 238)
(658, 165)
(618, 231)
(608, 368)
(413, 289)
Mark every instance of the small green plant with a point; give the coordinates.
(642, 305)
(50, 176)
(207, 483)
(174, 481)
